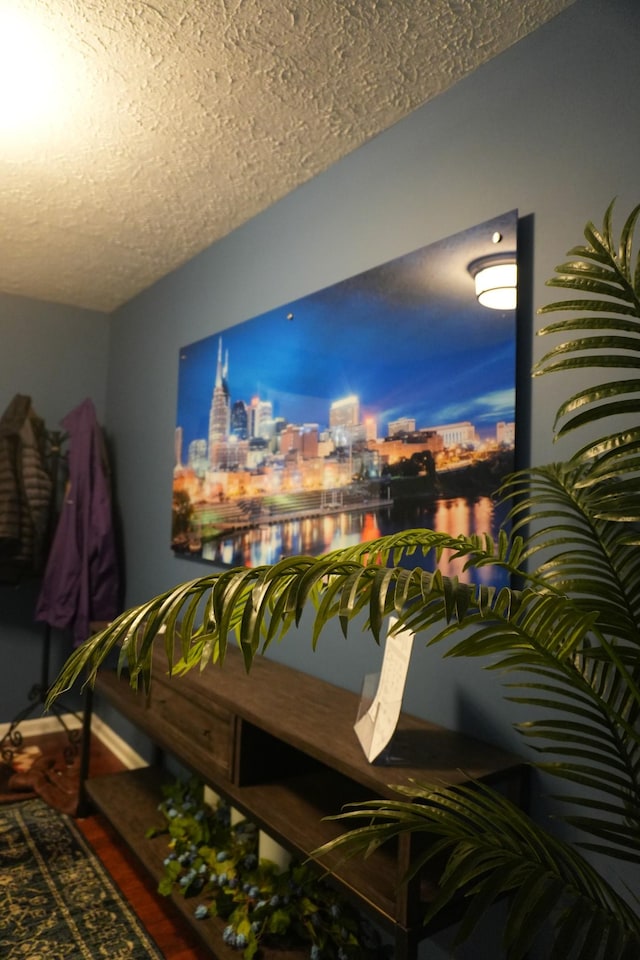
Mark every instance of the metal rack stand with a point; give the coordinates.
(12, 740)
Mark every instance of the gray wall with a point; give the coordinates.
(551, 128)
(58, 356)
(545, 128)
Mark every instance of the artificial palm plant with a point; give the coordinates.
(566, 639)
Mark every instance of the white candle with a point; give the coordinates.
(270, 850)
(210, 797)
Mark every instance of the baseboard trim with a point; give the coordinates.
(45, 724)
(119, 747)
(38, 726)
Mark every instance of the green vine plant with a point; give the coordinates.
(215, 864)
(565, 641)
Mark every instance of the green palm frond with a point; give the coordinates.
(259, 605)
(605, 280)
(590, 702)
(549, 641)
(493, 848)
(573, 549)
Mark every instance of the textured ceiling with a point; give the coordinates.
(178, 120)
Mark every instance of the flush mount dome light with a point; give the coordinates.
(42, 76)
(496, 279)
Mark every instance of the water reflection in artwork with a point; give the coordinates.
(316, 535)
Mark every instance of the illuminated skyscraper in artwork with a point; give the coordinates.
(344, 417)
(219, 415)
(345, 412)
(239, 420)
(260, 418)
(177, 448)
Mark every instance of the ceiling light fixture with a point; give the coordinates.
(30, 72)
(496, 279)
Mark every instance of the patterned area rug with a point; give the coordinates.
(56, 900)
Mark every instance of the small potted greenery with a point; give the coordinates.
(216, 864)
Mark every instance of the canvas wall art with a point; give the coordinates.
(383, 402)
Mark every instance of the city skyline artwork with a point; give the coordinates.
(384, 401)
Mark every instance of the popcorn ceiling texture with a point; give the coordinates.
(181, 121)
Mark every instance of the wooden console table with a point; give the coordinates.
(280, 746)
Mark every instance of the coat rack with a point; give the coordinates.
(12, 740)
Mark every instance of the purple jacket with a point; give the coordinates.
(81, 581)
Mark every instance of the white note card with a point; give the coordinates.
(376, 727)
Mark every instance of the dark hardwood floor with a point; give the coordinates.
(157, 914)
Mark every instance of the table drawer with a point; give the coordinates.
(203, 733)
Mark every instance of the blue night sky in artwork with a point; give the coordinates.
(407, 346)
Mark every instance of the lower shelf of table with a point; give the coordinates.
(130, 801)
